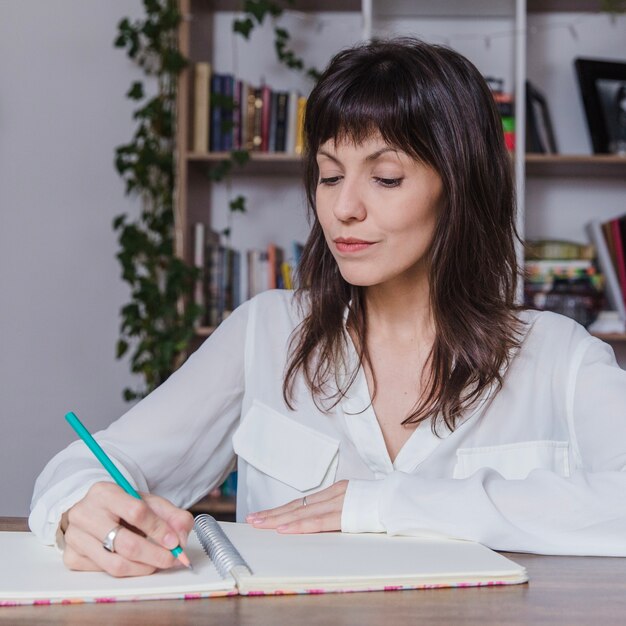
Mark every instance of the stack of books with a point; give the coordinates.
(561, 276)
(506, 108)
(231, 114)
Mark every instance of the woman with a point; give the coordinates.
(401, 391)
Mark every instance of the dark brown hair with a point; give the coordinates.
(433, 104)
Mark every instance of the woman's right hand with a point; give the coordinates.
(152, 527)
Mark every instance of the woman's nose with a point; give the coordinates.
(349, 202)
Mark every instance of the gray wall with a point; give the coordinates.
(62, 112)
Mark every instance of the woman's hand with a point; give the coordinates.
(151, 527)
(321, 513)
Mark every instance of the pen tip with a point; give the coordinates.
(184, 559)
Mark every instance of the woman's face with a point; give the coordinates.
(378, 208)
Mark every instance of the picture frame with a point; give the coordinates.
(603, 90)
(539, 132)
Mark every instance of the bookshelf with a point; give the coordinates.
(556, 193)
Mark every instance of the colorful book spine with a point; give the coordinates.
(199, 264)
(216, 113)
(266, 114)
(282, 99)
(300, 125)
(291, 122)
(613, 290)
(620, 259)
(201, 107)
(273, 122)
(237, 126)
(226, 123)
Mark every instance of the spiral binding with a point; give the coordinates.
(217, 545)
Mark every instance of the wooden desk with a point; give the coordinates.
(562, 590)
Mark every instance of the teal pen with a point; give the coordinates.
(110, 467)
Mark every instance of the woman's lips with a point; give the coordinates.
(352, 245)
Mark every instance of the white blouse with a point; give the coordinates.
(539, 466)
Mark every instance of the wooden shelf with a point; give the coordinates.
(610, 337)
(302, 5)
(559, 6)
(570, 165)
(260, 164)
(221, 508)
(204, 331)
(537, 165)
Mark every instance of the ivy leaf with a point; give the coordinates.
(257, 8)
(130, 395)
(238, 205)
(122, 348)
(243, 27)
(118, 222)
(240, 157)
(281, 34)
(136, 91)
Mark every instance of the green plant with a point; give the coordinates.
(158, 323)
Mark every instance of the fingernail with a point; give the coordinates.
(258, 520)
(170, 541)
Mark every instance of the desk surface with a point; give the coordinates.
(562, 590)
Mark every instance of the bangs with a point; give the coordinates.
(369, 101)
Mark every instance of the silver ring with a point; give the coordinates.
(304, 504)
(109, 540)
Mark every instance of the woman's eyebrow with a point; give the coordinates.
(369, 157)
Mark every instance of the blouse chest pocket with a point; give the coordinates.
(284, 459)
(516, 460)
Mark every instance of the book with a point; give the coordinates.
(280, 139)
(201, 107)
(257, 119)
(258, 272)
(275, 257)
(228, 105)
(266, 114)
(215, 132)
(199, 295)
(299, 147)
(237, 100)
(620, 260)
(613, 290)
(291, 122)
(238, 559)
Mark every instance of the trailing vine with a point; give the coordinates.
(158, 323)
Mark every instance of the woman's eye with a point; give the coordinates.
(331, 180)
(388, 182)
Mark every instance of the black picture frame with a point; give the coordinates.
(603, 90)
(539, 132)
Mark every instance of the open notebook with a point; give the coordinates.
(231, 559)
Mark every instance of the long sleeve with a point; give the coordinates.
(581, 514)
(176, 442)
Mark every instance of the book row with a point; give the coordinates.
(231, 114)
(227, 276)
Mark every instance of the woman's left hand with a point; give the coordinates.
(318, 512)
